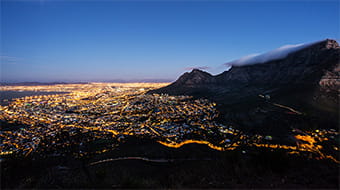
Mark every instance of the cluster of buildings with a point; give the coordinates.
(95, 119)
(71, 123)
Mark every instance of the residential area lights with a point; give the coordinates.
(96, 117)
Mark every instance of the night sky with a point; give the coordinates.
(51, 40)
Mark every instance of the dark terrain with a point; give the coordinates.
(192, 166)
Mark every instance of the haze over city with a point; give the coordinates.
(67, 41)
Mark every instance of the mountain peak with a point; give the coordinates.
(196, 76)
(196, 70)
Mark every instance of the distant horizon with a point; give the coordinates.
(103, 41)
(294, 47)
(94, 81)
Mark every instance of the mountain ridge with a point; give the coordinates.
(304, 67)
(307, 80)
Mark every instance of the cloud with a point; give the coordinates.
(275, 54)
(200, 68)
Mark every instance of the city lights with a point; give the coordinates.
(108, 113)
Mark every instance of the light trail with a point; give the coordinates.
(146, 159)
(289, 108)
(178, 145)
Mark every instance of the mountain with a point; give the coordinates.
(307, 79)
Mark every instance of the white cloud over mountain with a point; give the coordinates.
(275, 54)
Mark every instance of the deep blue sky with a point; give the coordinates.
(93, 41)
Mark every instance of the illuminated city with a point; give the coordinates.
(68, 123)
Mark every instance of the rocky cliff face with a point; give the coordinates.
(316, 66)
